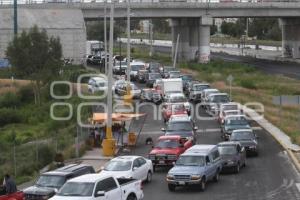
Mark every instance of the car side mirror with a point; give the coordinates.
(134, 168)
(173, 163)
(181, 145)
(100, 194)
(163, 129)
(196, 128)
(242, 150)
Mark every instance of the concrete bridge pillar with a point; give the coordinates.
(290, 37)
(194, 39)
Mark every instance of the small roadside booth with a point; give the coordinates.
(121, 128)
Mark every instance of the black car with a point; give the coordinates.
(248, 140)
(151, 77)
(183, 128)
(234, 122)
(186, 78)
(233, 156)
(50, 182)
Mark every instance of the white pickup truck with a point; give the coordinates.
(100, 187)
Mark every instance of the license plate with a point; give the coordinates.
(181, 183)
(161, 162)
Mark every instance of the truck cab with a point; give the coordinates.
(199, 164)
(168, 149)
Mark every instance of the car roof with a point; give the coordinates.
(210, 89)
(242, 130)
(194, 84)
(126, 158)
(229, 143)
(181, 117)
(96, 78)
(90, 178)
(137, 63)
(170, 137)
(218, 94)
(227, 111)
(171, 79)
(229, 103)
(201, 149)
(176, 71)
(176, 94)
(234, 116)
(69, 169)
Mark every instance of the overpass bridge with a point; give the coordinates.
(190, 19)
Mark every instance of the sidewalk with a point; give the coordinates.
(94, 158)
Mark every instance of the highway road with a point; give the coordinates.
(288, 69)
(270, 176)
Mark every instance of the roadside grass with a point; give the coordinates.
(29, 127)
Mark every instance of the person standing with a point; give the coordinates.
(10, 185)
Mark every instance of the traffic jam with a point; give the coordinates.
(175, 153)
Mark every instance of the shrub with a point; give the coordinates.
(10, 100)
(249, 84)
(46, 155)
(9, 116)
(26, 94)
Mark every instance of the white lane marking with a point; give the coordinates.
(298, 186)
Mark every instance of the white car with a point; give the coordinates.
(100, 187)
(178, 98)
(136, 167)
(97, 84)
(134, 68)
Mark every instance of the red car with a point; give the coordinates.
(173, 109)
(15, 196)
(168, 149)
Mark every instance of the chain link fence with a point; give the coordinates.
(23, 161)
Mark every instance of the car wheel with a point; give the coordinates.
(203, 184)
(217, 176)
(131, 197)
(237, 168)
(149, 177)
(171, 187)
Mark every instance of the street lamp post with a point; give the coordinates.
(128, 41)
(105, 39)
(109, 143)
(15, 17)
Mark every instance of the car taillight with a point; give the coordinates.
(141, 185)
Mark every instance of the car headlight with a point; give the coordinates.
(195, 177)
(170, 177)
(172, 157)
(230, 162)
(151, 157)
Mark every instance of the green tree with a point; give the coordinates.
(36, 57)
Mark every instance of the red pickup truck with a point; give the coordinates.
(168, 149)
(14, 196)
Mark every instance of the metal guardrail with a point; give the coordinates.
(7, 2)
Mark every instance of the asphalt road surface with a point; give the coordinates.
(270, 176)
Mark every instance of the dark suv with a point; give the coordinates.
(50, 182)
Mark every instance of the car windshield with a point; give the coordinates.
(200, 87)
(51, 181)
(172, 144)
(227, 150)
(154, 76)
(187, 77)
(177, 99)
(169, 69)
(242, 135)
(137, 67)
(236, 121)
(191, 160)
(220, 99)
(178, 108)
(118, 165)
(180, 126)
(81, 189)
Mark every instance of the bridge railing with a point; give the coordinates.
(7, 2)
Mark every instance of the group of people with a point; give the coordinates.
(9, 186)
(98, 134)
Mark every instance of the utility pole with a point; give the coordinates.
(128, 41)
(109, 144)
(15, 17)
(151, 38)
(105, 39)
(175, 56)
